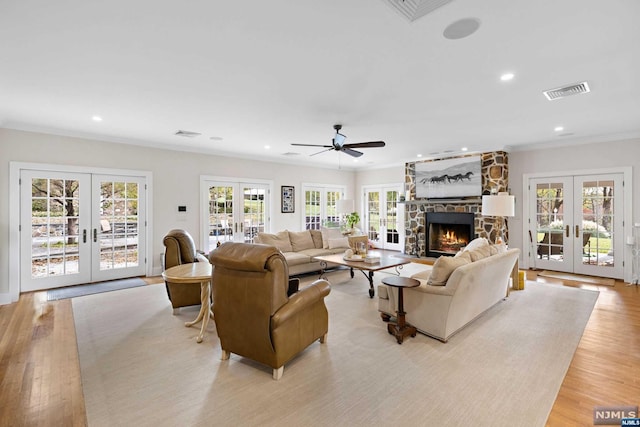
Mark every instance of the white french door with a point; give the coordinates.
(576, 224)
(235, 211)
(383, 217)
(80, 228)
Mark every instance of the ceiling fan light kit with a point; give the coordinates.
(338, 144)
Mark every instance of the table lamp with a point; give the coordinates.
(499, 205)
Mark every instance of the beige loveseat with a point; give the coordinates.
(300, 247)
(453, 300)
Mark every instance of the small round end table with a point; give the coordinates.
(401, 329)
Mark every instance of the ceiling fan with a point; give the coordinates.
(338, 144)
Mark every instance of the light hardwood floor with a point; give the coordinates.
(40, 382)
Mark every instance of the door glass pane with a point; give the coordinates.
(373, 216)
(392, 234)
(597, 223)
(54, 227)
(118, 230)
(550, 221)
(220, 215)
(312, 210)
(254, 212)
(331, 208)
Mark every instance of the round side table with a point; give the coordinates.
(401, 329)
(195, 272)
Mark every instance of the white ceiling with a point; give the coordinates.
(278, 72)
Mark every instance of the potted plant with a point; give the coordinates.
(352, 219)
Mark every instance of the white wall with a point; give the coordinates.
(176, 180)
(566, 159)
(392, 175)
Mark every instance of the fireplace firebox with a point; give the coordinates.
(448, 232)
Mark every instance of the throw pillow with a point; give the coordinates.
(476, 243)
(341, 242)
(301, 240)
(443, 267)
(500, 248)
(316, 235)
(480, 253)
(330, 233)
(280, 240)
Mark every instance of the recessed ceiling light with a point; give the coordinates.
(419, 155)
(355, 160)
(507, 76)
(558, 128)
(266, 147)
(96, 118)
(464, 148)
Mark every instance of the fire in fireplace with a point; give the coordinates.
(448, 232)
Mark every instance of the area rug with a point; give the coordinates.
(578, 278)
(141, 366)
(93, 288)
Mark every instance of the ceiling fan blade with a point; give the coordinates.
(351, 152)
(313, 145)
(323, 151)
(370, 144)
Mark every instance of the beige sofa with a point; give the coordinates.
(451, 302)
(300, 247)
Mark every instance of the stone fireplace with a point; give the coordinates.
(448, 232)
(495, 177)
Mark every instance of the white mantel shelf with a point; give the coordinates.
(442, 201)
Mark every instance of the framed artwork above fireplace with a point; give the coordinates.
(449, 178)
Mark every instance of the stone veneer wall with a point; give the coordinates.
(495, 175)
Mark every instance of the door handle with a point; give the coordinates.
(95, 235)
(568, 232)
(577, 231)
(84, 235)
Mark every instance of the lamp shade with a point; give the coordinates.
(344, 206)
(500, 205)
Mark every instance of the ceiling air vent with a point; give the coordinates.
(563, 92)
(187, 133)
(414, 9)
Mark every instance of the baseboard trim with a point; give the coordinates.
(5, 299)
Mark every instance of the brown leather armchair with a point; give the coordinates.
(180, 249)
(254, 316)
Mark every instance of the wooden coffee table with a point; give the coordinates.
(387, 260)
(401, 329)
(195, 272)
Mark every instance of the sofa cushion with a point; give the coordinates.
(296, 258)
(301, 240)
(316, 235)
(341, 242)
(424, 275)
(315, 252)
(280, 240)
(330, 233)
(443, 267)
